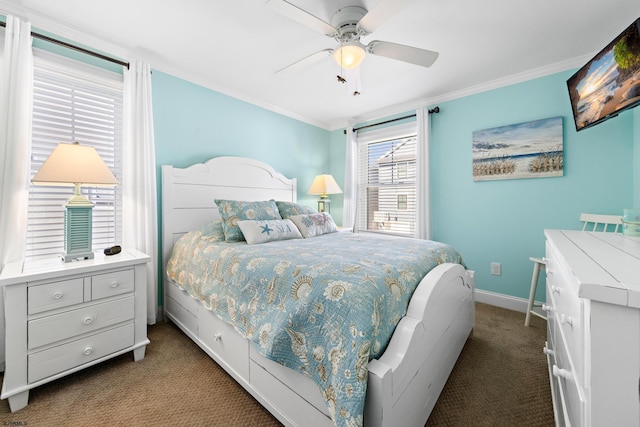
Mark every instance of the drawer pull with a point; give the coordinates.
(555, 290)
(114, 284)
(547, 308)
(561, 373)
(57, 295)
(568, 320)
(217, 336)
(546, 350)
(87, 320)
(87, 351)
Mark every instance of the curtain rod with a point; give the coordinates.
(74, 47)
(435, 110)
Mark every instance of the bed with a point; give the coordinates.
(402, 382)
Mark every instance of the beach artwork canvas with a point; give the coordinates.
(524, 150)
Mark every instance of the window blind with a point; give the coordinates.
(74, 102)
(387, 180)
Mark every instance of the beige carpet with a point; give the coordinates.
(500, 380)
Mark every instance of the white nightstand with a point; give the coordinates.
(63, 317)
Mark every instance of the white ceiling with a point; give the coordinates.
(236, 46)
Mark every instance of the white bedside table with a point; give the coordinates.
(63, 317)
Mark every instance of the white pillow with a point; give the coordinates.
(261, 231)
(311, 225)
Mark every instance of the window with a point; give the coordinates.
(72, 102)
(387, 180)
(402, 202)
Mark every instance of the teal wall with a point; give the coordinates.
(193, 124)
(503, 221)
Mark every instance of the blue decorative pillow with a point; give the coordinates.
(212, 231)
(314, 224)
(289, 209)
(233, 211)
(269, 231)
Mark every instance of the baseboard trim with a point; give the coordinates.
(501, 300)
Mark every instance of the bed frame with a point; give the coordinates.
(404, 383)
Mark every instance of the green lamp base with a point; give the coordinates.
(77, 232)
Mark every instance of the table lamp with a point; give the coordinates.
(76, 165)
(323, 185)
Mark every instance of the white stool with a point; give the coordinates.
(538, 264)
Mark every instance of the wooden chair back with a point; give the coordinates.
(597, 222)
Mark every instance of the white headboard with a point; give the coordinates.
(188, 194)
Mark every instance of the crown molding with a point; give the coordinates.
(535, 73)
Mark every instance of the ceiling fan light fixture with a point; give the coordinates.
(349, 55)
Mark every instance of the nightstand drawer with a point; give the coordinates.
(54, 295)
(58, 359)
(50, 329)
(115, 283)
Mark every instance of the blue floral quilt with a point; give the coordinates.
(323, 306)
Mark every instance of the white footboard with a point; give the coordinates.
(405, 383)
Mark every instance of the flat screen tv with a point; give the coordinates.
(609, 83)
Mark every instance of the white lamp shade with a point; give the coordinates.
(71, 164)
(349, 55)
(323, 185)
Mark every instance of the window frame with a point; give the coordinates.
(93, 121)
(400, 178)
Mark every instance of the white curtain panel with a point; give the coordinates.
(350, 174)
(16, 99)
(423, 192)
(139, 204)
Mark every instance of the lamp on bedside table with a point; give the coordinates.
(76, 165)
(323, 185)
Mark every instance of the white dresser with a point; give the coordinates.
(63, 317)
(593, 337)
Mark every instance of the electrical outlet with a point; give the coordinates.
(496, 268)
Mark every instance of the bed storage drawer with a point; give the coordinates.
(49, 362)
(225, 342)
(182, 307)
(183, 298)
(304, 387)
(282, 397)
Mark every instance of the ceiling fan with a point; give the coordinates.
(348, 25)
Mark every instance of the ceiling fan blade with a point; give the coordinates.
(292, 11)
(304, 62)
(381, 12)
(413, 55)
